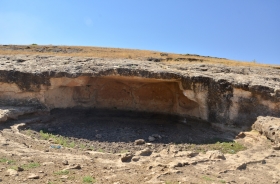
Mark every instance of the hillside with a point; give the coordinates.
(121, 116)
(117, 53)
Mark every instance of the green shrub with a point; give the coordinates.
(88, 179)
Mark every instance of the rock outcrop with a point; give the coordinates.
(269, 127)
(14, 112)
(214, 93)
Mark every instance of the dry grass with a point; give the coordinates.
(102, 52)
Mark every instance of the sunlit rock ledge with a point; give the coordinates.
(211, 92)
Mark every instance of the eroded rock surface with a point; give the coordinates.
(215, 93)
(269, 127)
(13, 112)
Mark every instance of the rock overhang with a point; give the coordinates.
(215, 93)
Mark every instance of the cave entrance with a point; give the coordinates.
(124, 93)
(115, 131)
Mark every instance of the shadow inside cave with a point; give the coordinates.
(113, 125)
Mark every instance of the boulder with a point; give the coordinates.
(269, 127)
(126, 157)
(145, 152)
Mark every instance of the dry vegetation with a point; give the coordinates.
(102, 52)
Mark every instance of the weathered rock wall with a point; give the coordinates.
(127, 93)
(215, 93)
(269, 127)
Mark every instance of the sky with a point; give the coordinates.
(245, 30)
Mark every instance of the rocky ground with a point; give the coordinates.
(125, 147)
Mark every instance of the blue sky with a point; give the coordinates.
(243, 30)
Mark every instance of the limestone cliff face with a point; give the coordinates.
(215, 93)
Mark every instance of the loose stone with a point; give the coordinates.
(139, 141)
(33, 176)
(151, 138)
(126, 157)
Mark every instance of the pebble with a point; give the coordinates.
(33, 176)
(47, 163)
(276, 147)
(65, 162)
(19, 169)
(135, 159)
(146, 152)
(156, 136)
(126, 157)
(151, 138)
(139, 141)
(149, 167)
(191, 154)
(12, 172)
(51, 140)
(176, 164)
(98, 136)
(240, 135)
(64, 177)
(241, 166)
(75, 166)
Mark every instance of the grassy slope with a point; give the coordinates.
(100, 52)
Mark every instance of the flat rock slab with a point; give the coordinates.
(45, 67)
(33, 176)
(14, 112)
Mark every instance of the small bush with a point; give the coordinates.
(71, 144)
(207, 178)
(88, 179)
(30, 165)
(82, 146)
(6, 160)
(44, 135)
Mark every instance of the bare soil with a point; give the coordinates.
(94, 141)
